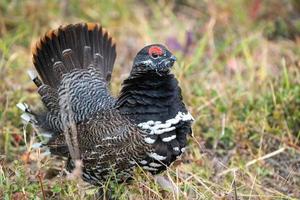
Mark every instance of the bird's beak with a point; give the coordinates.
(171, 61)
(173, 58)
(168, 63)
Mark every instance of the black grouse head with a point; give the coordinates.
(153, 58)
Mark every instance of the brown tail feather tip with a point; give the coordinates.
(91, 26)
(35, 47)
(49, 34)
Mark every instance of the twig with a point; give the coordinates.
(252, 188)
(204, 185)
(274, 153)
(206, 104)
(234, 186)
(41, 183)
(235, 192)
(151, 190)
(223, 123)
(269, 155)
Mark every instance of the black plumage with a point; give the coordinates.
(146, 125)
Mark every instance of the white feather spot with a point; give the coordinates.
(26, 117)
(98, 54)
(132, 162)
(176, 148)
(149, 168)
(157, 127)
(146, 62)
(161, 131)
(153, 164)
(156, 156)
(182, 149)
(31, 74)
(168, 139)
(22, 106)
(143, 162)
(149, 140)
(66, 51)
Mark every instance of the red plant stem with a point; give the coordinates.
(42, 187)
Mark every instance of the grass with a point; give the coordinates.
(239, 70)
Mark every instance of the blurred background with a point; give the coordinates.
(239, 69)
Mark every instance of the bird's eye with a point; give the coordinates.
(155, 52)
(154, 55)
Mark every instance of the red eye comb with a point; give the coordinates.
(155, 50)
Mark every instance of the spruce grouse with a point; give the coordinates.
(146, 125)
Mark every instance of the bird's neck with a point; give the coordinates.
(150, 96)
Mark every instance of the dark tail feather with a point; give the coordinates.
(46, 120)
(73, 46)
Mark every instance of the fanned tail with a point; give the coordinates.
(73, 46)
(59, 52)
